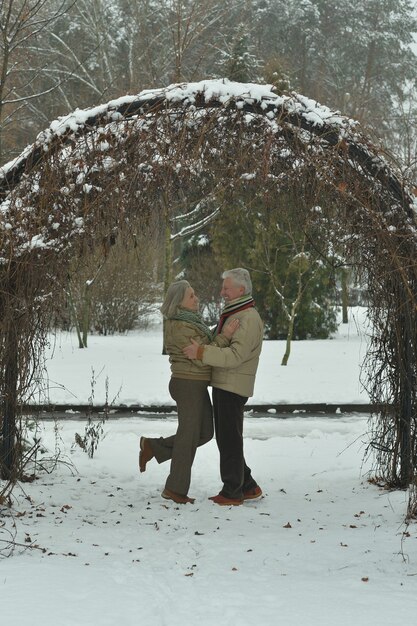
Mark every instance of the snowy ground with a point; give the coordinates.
(323, 546)
(96, 545)
(137, 373)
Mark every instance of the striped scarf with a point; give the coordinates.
(240, 304)
(192, 317)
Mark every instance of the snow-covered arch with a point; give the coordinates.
(90, 172)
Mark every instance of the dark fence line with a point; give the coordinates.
(65, 410)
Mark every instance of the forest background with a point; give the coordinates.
(356, 57)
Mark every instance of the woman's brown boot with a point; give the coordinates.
(145, 453)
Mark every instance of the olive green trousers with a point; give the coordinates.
(195, 428)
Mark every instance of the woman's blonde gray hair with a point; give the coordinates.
(173, 298)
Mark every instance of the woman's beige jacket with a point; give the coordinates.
(178, 335)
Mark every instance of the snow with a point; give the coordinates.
(99, 546)
(222, 89)
(240, 95)
(137, 372)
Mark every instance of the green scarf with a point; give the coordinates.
(192, 317)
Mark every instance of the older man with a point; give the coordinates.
(233, 378)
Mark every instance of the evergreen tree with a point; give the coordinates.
(268, 242)
(240, 63)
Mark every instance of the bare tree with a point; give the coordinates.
(22, 25)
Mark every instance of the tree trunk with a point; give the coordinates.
(8, 457)
(168, 249)
(345, 297)
(76, 321)
(289, 338)
(86, 312)
(407, 382)
(292, 316)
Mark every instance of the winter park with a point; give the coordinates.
(96, 543)
(208, 312)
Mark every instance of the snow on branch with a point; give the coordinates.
(191, 229)
(294, 112)
(247, 96)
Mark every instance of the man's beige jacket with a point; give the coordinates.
(234, 367)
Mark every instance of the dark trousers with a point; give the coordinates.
(228, 424)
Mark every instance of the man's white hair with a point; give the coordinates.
(240, 278)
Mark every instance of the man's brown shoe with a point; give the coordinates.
(225, 501)
(176, 497)
(251, 494)
(145, 453)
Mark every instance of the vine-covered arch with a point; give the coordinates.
(100, 174)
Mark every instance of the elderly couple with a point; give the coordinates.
(227, 360)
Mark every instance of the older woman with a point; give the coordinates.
(188, 387)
